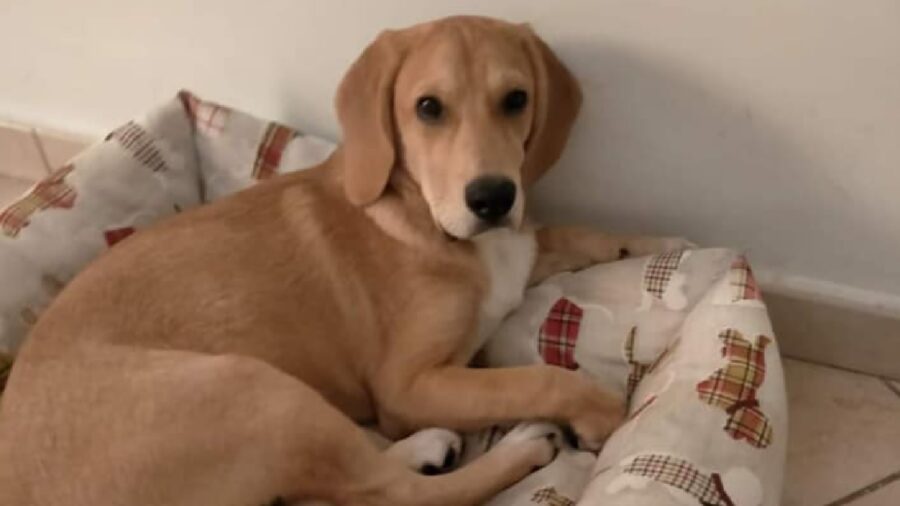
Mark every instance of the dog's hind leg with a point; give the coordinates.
(171, 428)
(311, 451)
(322, 455)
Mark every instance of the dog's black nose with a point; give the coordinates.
(490, 197)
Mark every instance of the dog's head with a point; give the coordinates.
(473, 109)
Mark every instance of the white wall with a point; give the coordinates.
(768, 125)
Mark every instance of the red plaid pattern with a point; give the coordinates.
(268, 156)
(113, 236)
(559, 334)
(139, 143)
(551, 497)
(52, 192)
(638, 369)
(733, 388)
(659, 271)
(742, 281)
(681, 474)
(208, 117)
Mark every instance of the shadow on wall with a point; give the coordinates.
(657, 152)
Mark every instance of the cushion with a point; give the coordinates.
(683, 337)
(177, 156)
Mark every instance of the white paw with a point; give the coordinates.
(430, 451)
(542, 438)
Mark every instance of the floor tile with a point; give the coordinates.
(59, 148)
(11, 189)
(844, 433)
(894, 386)
(19, 154)
(889, 495)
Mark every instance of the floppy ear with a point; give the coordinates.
(364, 108)
(557, 102)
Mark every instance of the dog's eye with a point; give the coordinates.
(429, 108)
(514, 102)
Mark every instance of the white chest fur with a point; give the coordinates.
(508, 257)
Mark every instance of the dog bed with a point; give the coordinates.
(684, 337)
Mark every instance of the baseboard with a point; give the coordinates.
(833, 324)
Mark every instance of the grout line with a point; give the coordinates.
(40, 147)
(891, 386)
(831, 366)
(868, 489)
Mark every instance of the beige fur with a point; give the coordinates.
(226, 356)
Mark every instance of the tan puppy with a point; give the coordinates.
(225, 356)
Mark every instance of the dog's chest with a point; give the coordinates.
(508, 257)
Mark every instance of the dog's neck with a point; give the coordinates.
(403, 213)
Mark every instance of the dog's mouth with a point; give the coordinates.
(477, 229)
(483, 226)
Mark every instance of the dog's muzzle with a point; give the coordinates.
(490, 198)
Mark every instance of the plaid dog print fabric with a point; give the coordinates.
(207, 117)
(743, 284)
(51, 287)
(640, 409)
(683, 475)
(268, 157)
(559, 334)
(733, 388)
(637, 370)
(659, 272)
(51, 193)
(551, 497)
(116, 235)
(140, 144)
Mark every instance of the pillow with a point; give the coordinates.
(179, 155)
(143, 171)
(685, 338)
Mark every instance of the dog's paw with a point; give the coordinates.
(643, 246)
(597, 412)
(540, 440)
(430, 451)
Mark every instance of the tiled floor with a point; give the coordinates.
(844, 445)
(27, 155)
(845, 427)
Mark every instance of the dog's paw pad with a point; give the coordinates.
(433, 451)
(450, 460)
(531, 431)
(544, 440)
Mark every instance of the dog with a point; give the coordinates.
(228, 355)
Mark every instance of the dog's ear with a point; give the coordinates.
(364, 104)
(557, 102)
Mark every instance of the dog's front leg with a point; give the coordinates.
(569, 248)
(466, 399)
